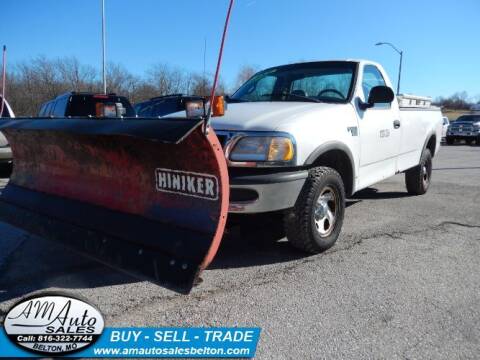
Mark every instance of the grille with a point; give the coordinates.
(463, 128)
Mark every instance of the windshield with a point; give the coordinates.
(469, 118)
(155, 108)
(314, 82)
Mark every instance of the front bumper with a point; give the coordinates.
(463, 134)
(265, 192)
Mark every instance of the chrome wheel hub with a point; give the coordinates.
(325, 212)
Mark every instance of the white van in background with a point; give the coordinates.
(446, 124)
(5, 150)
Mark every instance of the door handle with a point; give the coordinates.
(396, 124)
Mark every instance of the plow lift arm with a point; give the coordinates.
(146, 196)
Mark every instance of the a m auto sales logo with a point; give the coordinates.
(187, 183)
(53, 324)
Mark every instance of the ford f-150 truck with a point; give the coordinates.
(300, 138)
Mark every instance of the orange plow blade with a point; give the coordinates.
(147, 196)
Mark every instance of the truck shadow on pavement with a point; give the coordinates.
(40, 264)
(374, 194)
(457, 168)
(257, 248)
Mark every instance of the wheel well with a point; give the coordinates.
(431, 144)
(340, 161)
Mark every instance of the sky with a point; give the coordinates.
(440, 38)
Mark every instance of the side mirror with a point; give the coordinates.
(378, 95)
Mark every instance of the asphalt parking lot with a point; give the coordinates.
(402, 282)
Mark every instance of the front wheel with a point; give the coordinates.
(315, 222)
(418, 178)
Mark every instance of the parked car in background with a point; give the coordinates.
(74, 104)
(446, 124)
(164, 105)
(466, 127)
(5, 150)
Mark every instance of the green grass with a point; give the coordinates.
(454, 114)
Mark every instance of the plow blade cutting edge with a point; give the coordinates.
(147, 196)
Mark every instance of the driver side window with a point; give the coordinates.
(371, 78)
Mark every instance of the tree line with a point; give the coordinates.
(32, 83)
(457, 101)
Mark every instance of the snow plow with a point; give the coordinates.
(148, 196)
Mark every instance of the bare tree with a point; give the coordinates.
(36, 81)
(167, 80)
(457, 101)
(33, 82)
(202, 85)
(76, 76)
(245, 73)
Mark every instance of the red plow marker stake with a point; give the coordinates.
(146, 196)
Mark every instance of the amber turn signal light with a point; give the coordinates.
(218, 106)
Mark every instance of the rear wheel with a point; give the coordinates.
(315, 222)
(450, 140)
(418, 178)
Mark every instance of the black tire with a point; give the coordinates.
(301, 227)
(418, 178)
(450, 140)
(469, 141)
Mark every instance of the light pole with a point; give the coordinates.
(400, 66)
(104, 73)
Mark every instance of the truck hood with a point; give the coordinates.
(265, 116)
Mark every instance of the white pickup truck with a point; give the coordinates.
(300, 138)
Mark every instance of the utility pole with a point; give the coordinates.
(104, 71)
(204, 81)
(400, 52)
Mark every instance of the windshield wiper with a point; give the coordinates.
(295, 96)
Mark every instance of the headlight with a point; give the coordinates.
(263, 149)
